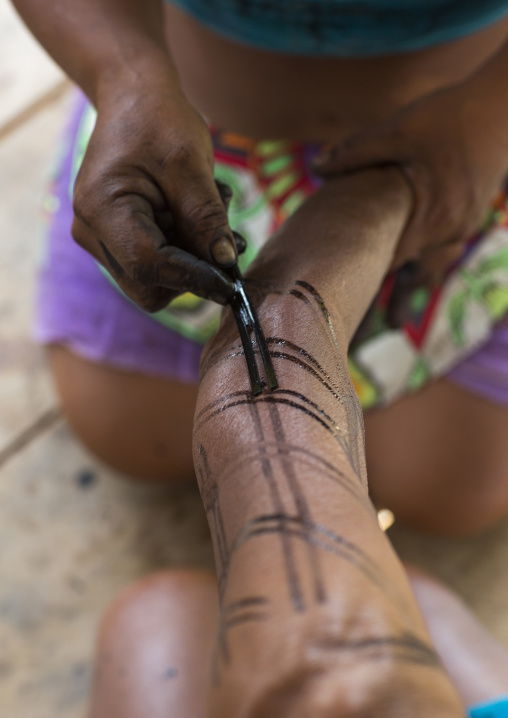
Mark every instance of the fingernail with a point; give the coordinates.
(223, 251)
(225, 295)
(241, 242)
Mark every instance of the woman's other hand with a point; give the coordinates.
(453, 149)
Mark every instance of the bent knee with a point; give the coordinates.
(458, 517)
(142, 613)
(437, 459)
(137, 424)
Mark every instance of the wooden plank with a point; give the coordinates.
(25, 389)
(27, 73)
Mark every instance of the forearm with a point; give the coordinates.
(101, 44)
(309, 586)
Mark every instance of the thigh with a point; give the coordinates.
(154, 649)
(140, 425)
(438, 459)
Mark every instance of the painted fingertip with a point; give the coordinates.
(224, 295)
(223, 252)
(224, 288)
(241, 242)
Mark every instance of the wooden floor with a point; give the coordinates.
(72, 533)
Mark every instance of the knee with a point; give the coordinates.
(436, 459)
(142, 614)
(434, 504)
(161, 626)
(139, 425)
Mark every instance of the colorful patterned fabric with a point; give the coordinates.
(270, 179)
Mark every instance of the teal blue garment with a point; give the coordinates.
(491, 709)
(344, 27)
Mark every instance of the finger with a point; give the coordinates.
(374, 148)
(198, 210)
(137, 255)
(149, 298)
(166, 223)
(174, 268)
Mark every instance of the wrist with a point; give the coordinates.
(135, 77)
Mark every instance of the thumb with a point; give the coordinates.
(372, 148)
(200, 216)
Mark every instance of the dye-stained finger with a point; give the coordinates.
(198, 208)
(134, 249)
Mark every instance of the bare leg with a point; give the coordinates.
(140, 425)
(154, 649)
(437, 459)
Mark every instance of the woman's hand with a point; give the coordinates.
(453, 149)
(146, 204)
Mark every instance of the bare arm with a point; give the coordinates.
(317, 618)
(145, 202)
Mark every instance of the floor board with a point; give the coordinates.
(25, 157)
(27, 73)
